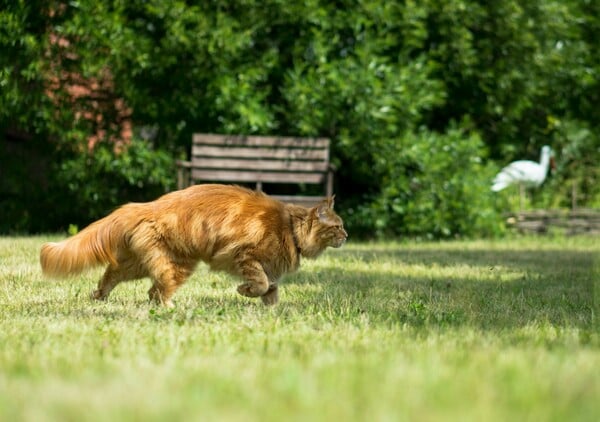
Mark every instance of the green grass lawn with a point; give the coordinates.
(465, 331)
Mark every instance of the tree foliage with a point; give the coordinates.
(423, 101)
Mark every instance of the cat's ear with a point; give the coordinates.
(331, 201)
(324, 207)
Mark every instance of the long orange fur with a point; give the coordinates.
(232, 229)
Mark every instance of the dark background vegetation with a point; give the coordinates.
(423, 100)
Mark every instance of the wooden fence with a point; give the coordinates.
(570, 222)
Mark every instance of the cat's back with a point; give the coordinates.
(217, 220)
(227, 196)
(217, 203)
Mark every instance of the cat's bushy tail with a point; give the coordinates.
(95, 245)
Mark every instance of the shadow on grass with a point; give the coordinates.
(487, 289)
(419, 287)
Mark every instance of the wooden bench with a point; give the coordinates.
(259, 160)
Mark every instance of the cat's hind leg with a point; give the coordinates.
(257, 282)
(167, 276)
(127, 269)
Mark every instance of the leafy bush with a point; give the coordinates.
(577, 173)
(384, 80)
(89, 185)
(434, 186)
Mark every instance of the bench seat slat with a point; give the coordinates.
(268, 153)
(260, 141)
(265, 165)
(306, 201)
(256, 176)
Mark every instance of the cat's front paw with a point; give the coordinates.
(97, 295)
(252, 289)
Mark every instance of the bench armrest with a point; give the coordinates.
(183, 164)
(183, 173)
(329, 182)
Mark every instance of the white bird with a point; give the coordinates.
(524, 172)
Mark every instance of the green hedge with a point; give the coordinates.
(386, 81)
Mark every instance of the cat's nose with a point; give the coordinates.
(343, 238)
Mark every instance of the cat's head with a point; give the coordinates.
(328, 227)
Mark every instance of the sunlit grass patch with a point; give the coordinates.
(374, 331)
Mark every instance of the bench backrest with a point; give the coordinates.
(258, 159)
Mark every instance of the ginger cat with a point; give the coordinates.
(232, 229)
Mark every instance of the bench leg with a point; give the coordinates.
(329, 187)
(183, 178)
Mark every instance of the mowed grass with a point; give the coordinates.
(465, 331)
